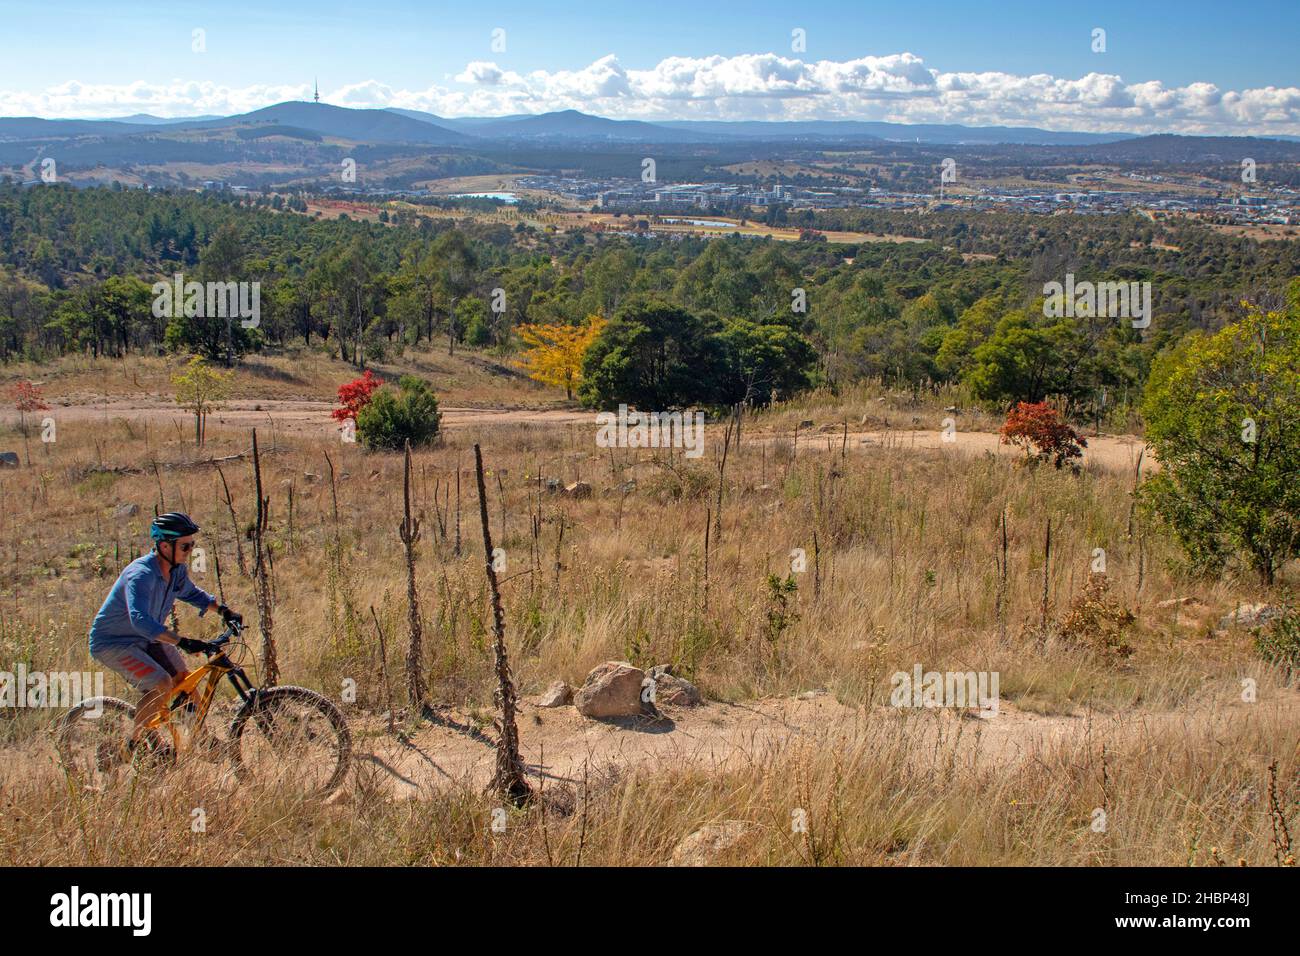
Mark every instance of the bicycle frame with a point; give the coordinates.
(185, 692)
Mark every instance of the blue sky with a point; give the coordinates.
(413, 54)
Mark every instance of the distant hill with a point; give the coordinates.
(148, 119)
(925, 133)
(572, 124)
(464, 124)
(402, 126)
(369, 126)
(1168, 148)
(569, 125)
(298, 144)
(31, 127)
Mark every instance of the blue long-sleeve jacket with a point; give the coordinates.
(140, 601)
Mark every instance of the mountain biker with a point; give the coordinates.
(128, 635)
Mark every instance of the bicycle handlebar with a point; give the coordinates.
(232, 630)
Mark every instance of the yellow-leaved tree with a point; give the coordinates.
(199, 387)
(555, 352)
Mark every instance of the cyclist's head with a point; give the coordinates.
(175, 531)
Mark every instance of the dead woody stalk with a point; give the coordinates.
(262, 570)
(509, 779)
(409, 531)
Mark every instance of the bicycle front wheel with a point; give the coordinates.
(291, 737)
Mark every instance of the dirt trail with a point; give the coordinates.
(1119, 452)
(558, 744)
(560, 747)
(292, 415)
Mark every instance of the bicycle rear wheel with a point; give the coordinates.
(92, 738)
(291, 737)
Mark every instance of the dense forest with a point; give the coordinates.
(964, 307)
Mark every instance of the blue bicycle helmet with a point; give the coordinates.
(172, 525)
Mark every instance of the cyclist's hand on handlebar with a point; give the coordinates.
(191, 646)
(229, 616)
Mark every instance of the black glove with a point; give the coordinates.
(191, 646)
(229, 616)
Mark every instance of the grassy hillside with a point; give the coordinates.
(903, 554)
(470, 377)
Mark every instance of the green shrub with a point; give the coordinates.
(393, 418)
(1221, 417)
(1279, 642)
(377, 349)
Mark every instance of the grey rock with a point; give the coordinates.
(557, 695)
(612, 689)
(672, 691)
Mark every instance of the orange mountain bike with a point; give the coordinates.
(283, 735)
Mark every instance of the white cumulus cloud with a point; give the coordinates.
(899, 87)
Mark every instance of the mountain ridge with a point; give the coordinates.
(397, 125)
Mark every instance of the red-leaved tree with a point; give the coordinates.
(1038, 428)
(356, 395)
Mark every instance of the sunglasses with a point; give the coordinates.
(185, 548)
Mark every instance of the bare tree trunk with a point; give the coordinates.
(509, 779)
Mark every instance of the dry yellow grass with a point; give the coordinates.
(471, 377)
